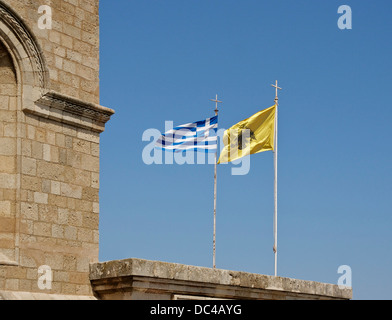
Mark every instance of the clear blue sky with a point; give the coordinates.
(164, 60)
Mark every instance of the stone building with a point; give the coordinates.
(50, 126)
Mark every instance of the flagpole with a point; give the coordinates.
(215, 189)
(275, 248)
(276, 192)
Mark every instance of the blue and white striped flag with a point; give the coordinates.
(197, 136)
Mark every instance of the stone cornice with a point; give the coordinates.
(163, 277)
(65, 109)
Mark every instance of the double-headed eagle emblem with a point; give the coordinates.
(244, 142)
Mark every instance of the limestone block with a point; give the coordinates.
(5, 208)
(7, 146)
(72, 191)
(46, 152)
(55, 187)
(40, 197)
(7, 181)
(62, 216)
(31, 183)
(8, 164)
(4, 101)
(48, 213)
(57, 231)
(42, 229)
(70, 232)
(29, 210)
(26, 148)
(29, 166)
(12, 284)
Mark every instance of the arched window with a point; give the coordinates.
(8, 159)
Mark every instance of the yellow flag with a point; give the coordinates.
(253, 135)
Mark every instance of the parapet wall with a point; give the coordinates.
(136, 279)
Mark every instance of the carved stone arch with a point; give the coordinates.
(29, 61)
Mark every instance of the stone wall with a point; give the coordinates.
(59, 206)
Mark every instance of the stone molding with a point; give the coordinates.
(72, 111)
(4, 261)
(14, 295)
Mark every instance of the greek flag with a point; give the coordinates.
(196, 136)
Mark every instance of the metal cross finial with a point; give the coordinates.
(276, 94)
(216, 104)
